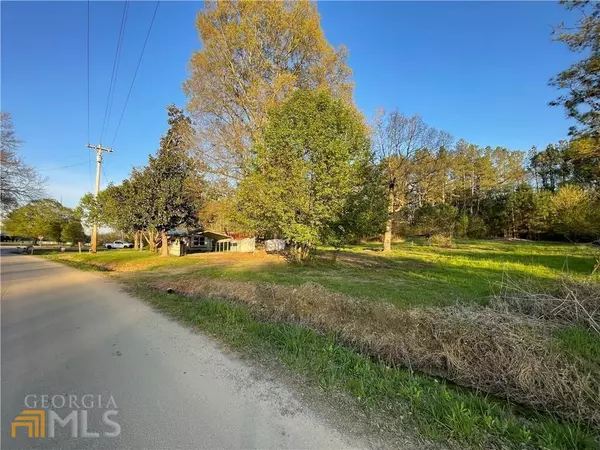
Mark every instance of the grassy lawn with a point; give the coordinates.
(413, 274)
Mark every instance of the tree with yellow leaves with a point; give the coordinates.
(253, 56)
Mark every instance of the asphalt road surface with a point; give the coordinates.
(67, 334)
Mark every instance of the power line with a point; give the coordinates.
(136, 72)
(113, 77)
(112, 97)
(88, 70)
(88, 91)
(106, 182)
(62, 167)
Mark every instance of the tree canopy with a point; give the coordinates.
(581, 80)
(309, 163)
(19, 182)
(253, 56)
(46, 218)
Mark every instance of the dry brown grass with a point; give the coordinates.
(572, 302)
(500, 352)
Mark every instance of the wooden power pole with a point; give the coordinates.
(99, 149)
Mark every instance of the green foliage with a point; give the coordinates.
(254, 55)
(171, 191)
(519, 211)
(581, 81)
(436, 219)
(44, 217)
(462, 225)
(477, 228)
(311, 167)
(72, 231)
(163, 195)
(577, 213)
(543, 213)
(550, 166)
(583, 156)
(365, 210)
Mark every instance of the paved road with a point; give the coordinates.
(67, 333)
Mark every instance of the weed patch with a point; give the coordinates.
(438, 409)
(507, 355)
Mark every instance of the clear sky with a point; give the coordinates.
(478, 70)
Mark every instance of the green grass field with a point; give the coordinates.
(413, 275)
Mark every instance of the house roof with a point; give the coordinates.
(217, 236)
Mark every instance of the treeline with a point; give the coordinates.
(274, 145)
(47, 220)
(466, 190)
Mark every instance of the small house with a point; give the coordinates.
(207, 241)
(198, 240)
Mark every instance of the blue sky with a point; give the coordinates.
(478, 70)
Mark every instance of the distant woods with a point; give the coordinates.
(435, 186)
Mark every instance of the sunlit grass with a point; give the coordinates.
(413, 274)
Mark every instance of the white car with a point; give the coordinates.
(118, 244)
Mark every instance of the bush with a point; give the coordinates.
(439, 240)
(477, 228)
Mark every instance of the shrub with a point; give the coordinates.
(477, 228)
(439, 240)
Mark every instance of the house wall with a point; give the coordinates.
(199, 243)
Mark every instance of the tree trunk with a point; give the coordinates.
(165, 243)
(136, 239)
(387, 237)
(150, 238)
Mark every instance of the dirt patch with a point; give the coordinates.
(503, 353)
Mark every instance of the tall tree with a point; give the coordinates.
(581, 80)
(311, 162)
(19, 182)
(72, 231)
(253, 55)
(398, 143)
(583, 158)
(173, 191)
(551, 166)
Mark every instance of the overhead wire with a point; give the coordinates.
(62, 167)
(135, 74)
(115, 70)
(106, 182)
(88, 93)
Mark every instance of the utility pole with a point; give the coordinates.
(99, 149)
